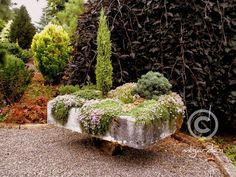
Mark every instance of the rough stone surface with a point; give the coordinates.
(51, 151)
(124, 130)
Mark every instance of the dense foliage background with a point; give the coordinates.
(193, 43)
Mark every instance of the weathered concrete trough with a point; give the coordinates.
(124, 130)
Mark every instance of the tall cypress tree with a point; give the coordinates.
(104, 67)
(22, 30)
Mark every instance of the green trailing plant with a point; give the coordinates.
(149, 112)
(103, 66)
(51, 51)
(62, 106)
(68, 89)
(152, 85)
(167, 107)
(60, 112)
(124, 93)
(89, 94)
(22, 30)
(14, 77)
(96, 116)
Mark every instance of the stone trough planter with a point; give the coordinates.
(123, 130)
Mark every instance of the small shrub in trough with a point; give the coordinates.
(152, 85)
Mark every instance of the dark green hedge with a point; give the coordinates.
(193, 43)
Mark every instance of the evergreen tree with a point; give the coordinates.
(44, 19)
(55, 6)
(22, 30)
(50, 13)
(103, 66)
(68, 17)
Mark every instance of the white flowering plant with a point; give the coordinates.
(62, 105)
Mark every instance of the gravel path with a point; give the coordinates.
(54, 152)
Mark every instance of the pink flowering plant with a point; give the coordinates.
(96, 116)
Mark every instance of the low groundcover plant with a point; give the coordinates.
(96, 116)
(62, 106)
(167, 107)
